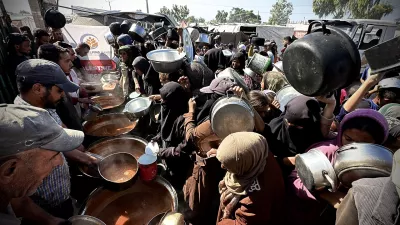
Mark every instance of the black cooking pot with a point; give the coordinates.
(257, 41)
(115, 28)
(125, 25)
(324, 60)
(54, 19)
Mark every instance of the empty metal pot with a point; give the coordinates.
(166, 60)
(361, 160)
(137, 32)
(315, 170)
(85, 220)
(138, 107)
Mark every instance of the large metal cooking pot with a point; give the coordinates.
(118, 170)
(109, 125)
(133, 145)
(324, 60)
(315, 170)
(133, 206)
(259, 63)
(230, 115)
(108, 101)
(360, 160)
(137, 32)
(109, 37)
(166, 60)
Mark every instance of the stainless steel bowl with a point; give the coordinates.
(138, 107)
(165, 60)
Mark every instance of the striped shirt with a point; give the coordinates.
(56, 187)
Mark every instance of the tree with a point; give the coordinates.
(192, 19)
(239, 15)
(280, 12)
(357, 9)
(221, 16)
(178, 12)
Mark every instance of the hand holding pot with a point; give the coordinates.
(374, 79)
(155, 97)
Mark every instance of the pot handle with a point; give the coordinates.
(330, 181)
(324, 30)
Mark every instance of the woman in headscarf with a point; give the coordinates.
(129, 83)
(265, 105)
(252, 191)
(238, 63)
(174, 149)
(214, 59)
(124, 39)
(151, 81)
(273, 81)
(360, 126)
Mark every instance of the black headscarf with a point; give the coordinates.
(175, 104)
(242, 60)
(215, 59)
(204, 113)
(151, 80)
(301, 111)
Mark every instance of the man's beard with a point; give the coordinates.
(48, 103)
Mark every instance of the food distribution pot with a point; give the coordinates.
(324, 60)
(230, 115)
(109, 125)
(360, 160)
(315, 170)
(133, 206)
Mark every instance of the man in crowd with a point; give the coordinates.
(41, 37)
(42, 84)
(31, 146)
(19, 47)
(56, 35)
(66, 110)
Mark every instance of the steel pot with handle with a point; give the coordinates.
(109, 37)
(125, 26)
(360, 160)
(137, 32)
(230, 115)
(315, 171)
(324, 60)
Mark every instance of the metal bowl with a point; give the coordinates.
(109, 78)
(361, 160)
(85, 220)
(138, 107)
(166, 60)
(108, 102)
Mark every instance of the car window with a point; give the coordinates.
(371, 39)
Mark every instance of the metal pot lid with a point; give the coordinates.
(188, 45)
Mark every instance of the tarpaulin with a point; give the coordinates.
(276, 33)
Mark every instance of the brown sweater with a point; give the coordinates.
(263, 207)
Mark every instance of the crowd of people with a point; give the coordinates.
(245, 178)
